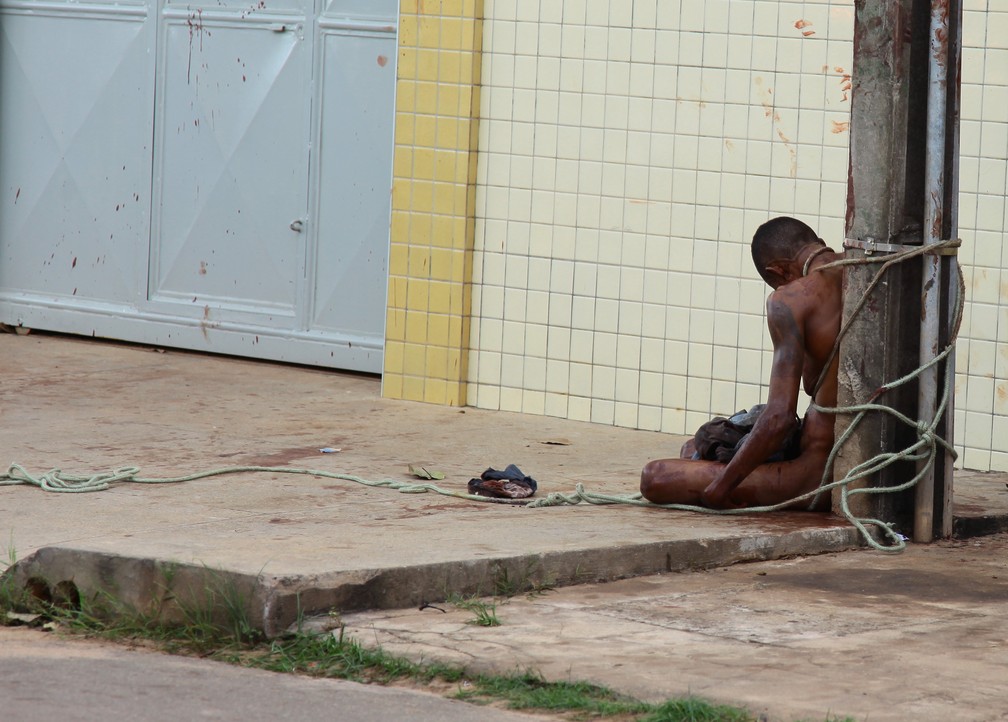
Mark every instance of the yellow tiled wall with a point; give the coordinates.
(627, 153)
(433, 200)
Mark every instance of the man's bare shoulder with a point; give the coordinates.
(803, 296)
(786, 302)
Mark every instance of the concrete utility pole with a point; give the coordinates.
(902, 192)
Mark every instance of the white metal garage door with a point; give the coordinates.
(206, 175)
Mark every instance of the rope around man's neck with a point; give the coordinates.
(808, 261)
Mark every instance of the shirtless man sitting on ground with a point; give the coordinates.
(803, 315)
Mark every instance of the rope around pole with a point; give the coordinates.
(924, 449)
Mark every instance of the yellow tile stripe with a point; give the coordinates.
(433, 200)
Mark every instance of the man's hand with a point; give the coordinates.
(717, 495)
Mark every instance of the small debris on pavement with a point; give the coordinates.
(422, 472)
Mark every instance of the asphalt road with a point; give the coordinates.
(46, 677)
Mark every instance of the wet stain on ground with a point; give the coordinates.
(969, 509)
(917, 584)
(781, 522)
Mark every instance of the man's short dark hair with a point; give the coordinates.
(780, 239)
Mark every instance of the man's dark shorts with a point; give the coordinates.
(720, 438)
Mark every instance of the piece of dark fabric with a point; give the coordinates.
(720, 438)
(510, 483)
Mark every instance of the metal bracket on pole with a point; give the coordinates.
(870, 246)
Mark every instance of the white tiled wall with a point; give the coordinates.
(982, 354)
(627, 153)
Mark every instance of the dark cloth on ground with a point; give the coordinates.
(510, 483)
(720, 439)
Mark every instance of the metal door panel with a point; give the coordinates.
(355, 179)
(154, 157)
(75, 210)
(232, 165)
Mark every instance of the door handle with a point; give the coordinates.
(297, 225)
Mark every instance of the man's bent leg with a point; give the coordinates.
(776, 483)
(678, 481)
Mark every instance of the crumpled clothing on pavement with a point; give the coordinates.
(720, 438)
(511, 483)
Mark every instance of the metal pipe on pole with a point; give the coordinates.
(943, 505)
(931, 286)
(938, 287)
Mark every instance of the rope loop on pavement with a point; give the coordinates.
(59, 481)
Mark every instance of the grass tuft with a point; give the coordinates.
(692, 709)
(330, 655)
(485, 612)
(529, 690)
(527, 581)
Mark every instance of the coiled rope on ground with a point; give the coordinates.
(924, 449)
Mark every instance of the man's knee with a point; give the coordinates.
(647, 478)
(650, 476)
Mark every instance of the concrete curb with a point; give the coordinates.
(966, 527)
(271, 603)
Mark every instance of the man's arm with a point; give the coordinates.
(778, 418)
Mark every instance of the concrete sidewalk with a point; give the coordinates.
(86, 406)
(287, 545)
(320, 543)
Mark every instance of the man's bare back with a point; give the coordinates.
(803, 316)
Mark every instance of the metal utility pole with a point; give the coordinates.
(902, 191)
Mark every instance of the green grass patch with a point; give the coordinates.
(484, 613)
(529, 691)
(693, 709)
(336, 656)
